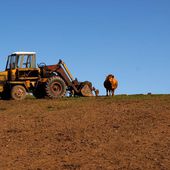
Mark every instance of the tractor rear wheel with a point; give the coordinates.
(55, 87)
(18, 92)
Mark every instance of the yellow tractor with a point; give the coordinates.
(22, 76)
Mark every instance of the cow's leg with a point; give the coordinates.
(113, 91)
(106, 92)
(110, 92)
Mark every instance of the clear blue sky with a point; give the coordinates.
(128, 38)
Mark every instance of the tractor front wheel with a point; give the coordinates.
(18, 92)
(55, 87)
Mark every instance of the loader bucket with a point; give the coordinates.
(86, 91)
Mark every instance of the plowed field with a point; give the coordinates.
(104, 133)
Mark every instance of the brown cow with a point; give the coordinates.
(110, 84)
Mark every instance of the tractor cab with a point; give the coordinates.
(21, 60)
(22, 66)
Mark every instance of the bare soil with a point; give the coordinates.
(103, 133)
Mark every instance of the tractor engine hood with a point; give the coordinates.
(3, 76)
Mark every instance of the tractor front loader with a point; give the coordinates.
(21, 76)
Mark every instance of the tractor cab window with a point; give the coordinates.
(27, 61)
(21, 61)
(12, 62)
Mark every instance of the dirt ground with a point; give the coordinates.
(103, 133)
